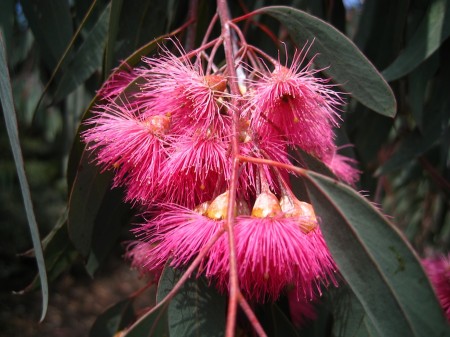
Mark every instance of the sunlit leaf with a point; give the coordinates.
(344, 61)
(13, 135)
(376, 262)
(432, 31)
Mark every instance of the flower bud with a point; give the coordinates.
(300, 209)
(159, 124)
(218, 208)
(202, 208)
(216, 82)
(266, 205)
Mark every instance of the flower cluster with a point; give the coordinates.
(166, 129)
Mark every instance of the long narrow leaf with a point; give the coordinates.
(376, 261)
(13, 134)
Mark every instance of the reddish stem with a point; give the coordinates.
(224, 16)
(273, 163)
(192, 29)
(251, 317)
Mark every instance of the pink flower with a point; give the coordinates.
(196, 167)
(176, 235)
(297, 104)
(174, 85)
(138, 254)
(343, 167)
(438, 270)
(273, 253)
(117, 83)
(131, 144)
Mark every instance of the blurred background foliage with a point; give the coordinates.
(60, 52)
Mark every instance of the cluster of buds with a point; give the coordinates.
(167, 130)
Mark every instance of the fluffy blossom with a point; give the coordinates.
(297, 104)
(131, 144)
(438, 270)
(174, 85)
(177, 234)
(166, 130)
(273, 253)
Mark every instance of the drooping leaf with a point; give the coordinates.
(113, 320)
(376, 262)
(51, 23)
(343, 61)
(196, 310)
(87, 59)
(9, 114)
(432, 31)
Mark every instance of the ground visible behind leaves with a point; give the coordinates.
(75, 301)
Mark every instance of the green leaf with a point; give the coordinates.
(376, 262)
(418, 80)
(344, 61)
(140, 22)
(351, 318)
(276, 323)
(51, 23)
(13, 135)
(89, 192)
(7, 15)
(113, 320)
(196, 310)
(114, 21)
(111, 216)
(435, 126)
(432, 31)
(87, 59)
